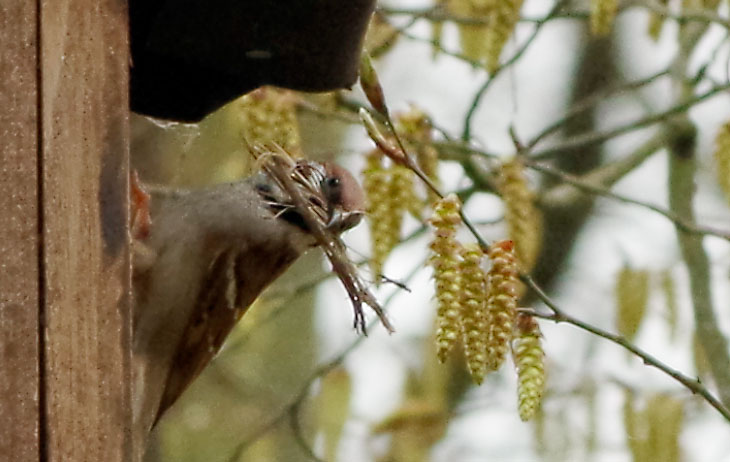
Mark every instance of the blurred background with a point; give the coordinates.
(599, 93)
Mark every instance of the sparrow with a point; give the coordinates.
(202, 256)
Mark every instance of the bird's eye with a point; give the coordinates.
(331, 186)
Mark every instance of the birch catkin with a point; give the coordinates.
(524, 222)
(268, 115)
(474, 316)
(503, 283)
(486, 41)
(722, 159)
(603, 13)
(376, 184)
(445, 262)
(503, 17)
(528, 357)
(632, 296)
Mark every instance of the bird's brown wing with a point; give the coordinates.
(237, 276)
(235, 280)
(213, 316)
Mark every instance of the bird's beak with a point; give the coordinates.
(342, 221)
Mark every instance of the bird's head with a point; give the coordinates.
(331, 191)
(344, 196)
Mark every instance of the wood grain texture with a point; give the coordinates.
(19, 283)
(84, 103)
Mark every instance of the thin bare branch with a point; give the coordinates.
(438, 14)
(558, 316)
(591, 138)
(681, 181)
(681, 223)
(476, 100)
(686, 15)
(434, 43)
(592, 100)
(703, 15)
(682, 170)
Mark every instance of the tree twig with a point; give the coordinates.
(704, 15)
(558, 316)
(681, 194)
(591, 138)
(476, 100)
(439, 15)
(679, 221)
(682, 172)
(590, 101)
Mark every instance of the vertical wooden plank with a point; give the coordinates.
(19, 292)
(84, 105)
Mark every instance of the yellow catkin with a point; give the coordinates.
(415, 124)
(414, 428)
(653, 433)
(376, 184)
(484, 42)
(603, 13)
(503, 16)
(665, 416)
(445, 262)
(418, 131)
(632, 295)
(722, 159)
(694, 6)
(400, 192)
(403, 194)
(474, 305)
(528, 357)
(472, 37)
(524, 222)
(502, 287)
(268, 115)
(656, 21)
(333, 405)
(389, 193)
(670, 299)
(636, 429)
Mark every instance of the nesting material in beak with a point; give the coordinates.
(342, 221)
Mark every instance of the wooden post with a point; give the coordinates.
(19, 272)
(64, 260)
